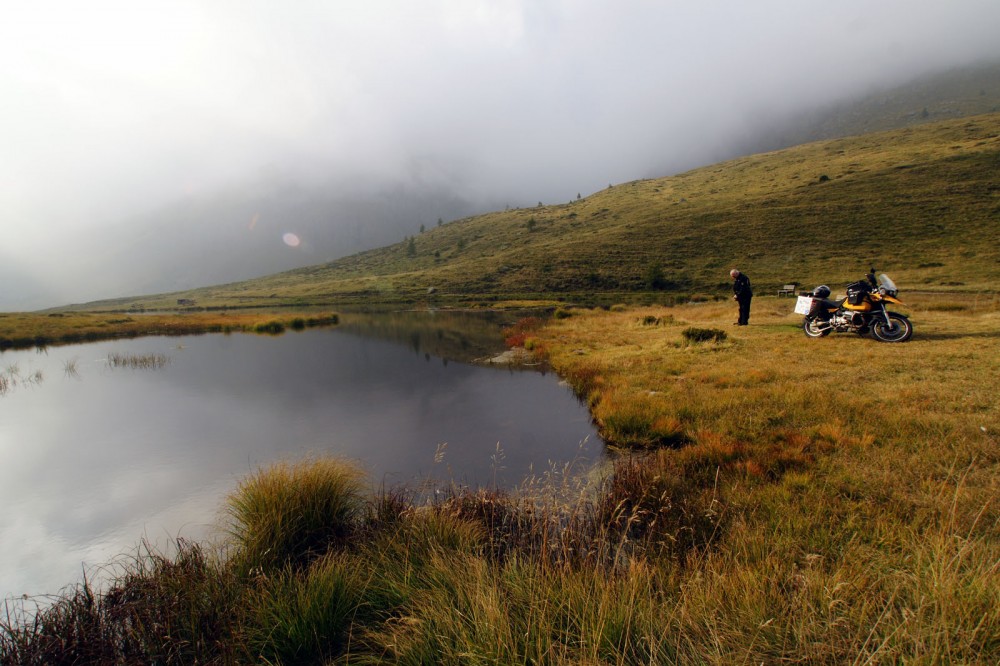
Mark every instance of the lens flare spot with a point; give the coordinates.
(291, 240)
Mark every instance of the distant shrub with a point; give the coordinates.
(562, 313)
(650, 320)
(515, 336)
(324, 320)
(298, 324)
(273, 327)
(653, 276)
(693, 334)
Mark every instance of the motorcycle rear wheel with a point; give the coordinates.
(810, 328)
(900, 331)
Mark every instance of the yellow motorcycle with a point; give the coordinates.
(864, 311)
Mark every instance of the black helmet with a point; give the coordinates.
(821, 291)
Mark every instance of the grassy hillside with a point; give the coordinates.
(921, 203)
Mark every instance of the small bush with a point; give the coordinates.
(298, 324)
(514, 336)
(562, 313)
(693, 334)
(273, 327)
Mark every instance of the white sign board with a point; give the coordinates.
(803, 305)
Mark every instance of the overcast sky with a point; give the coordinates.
(112, 108)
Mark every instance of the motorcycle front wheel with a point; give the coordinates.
(900, 329)
(812, 329)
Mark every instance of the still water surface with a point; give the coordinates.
(95, 458)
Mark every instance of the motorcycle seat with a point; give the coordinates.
(828, 304)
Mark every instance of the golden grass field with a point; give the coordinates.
(859, 480)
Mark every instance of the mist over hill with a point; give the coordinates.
(280, 221)
(941, 95)
(252, 231)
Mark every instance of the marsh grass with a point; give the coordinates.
(182, 609)
(26, 330)
(12, 377)
(303, 617)
(71, 368)
(137, 361)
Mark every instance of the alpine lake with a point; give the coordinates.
(105, 445)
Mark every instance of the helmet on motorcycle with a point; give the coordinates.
(821, 291)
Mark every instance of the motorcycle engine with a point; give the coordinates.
(847, 321)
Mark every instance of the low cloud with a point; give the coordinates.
(115, 110)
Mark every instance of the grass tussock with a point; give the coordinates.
(287, 515)
(694, 334)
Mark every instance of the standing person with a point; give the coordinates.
(742, 293)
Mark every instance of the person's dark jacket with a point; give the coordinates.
(741, 287)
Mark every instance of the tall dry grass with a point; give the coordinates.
(290, 514)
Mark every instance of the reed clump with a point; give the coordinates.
(137, 361)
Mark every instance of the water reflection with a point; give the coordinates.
(97, 456)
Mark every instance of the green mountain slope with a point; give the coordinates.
(921, 203)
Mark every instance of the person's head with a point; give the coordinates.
(734, 273)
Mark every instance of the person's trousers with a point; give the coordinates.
(744, 311)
